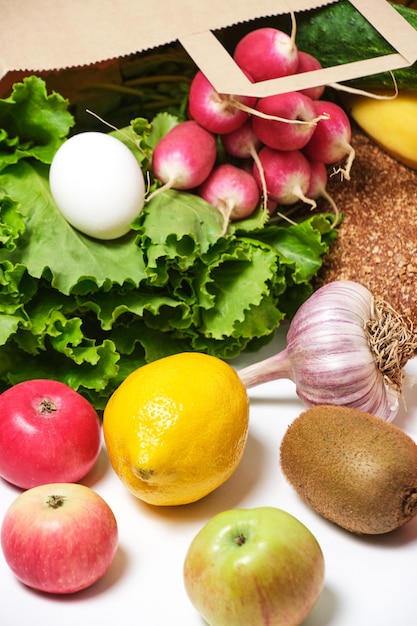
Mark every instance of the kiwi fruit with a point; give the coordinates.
(351, 467)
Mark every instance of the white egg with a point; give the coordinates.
(97, 184)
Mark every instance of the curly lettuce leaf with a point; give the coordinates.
(301, 245)
(237, 282)
(178, 226)
(33, 124)
(11, 223)
(50, 247)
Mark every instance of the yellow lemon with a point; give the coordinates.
(176, 428)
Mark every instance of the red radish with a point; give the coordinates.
(217, 113)
(267, 53)
(271, 206)
(184, 157)
(318, 184)
(243, 143)
(232, 190)
(287, 175)
(330, 142)
(293, 134)
(307, 63)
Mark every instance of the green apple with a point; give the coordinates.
(254, 567)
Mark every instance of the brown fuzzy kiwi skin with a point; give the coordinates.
(351, 467)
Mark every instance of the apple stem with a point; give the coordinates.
(55, 501)
(240, 539)
(47, 406)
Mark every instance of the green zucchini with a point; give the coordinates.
(338, 33)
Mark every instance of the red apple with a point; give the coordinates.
(48, 433)
(59, 538)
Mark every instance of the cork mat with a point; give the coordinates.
(377, 240)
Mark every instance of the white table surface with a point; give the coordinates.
(370, 581)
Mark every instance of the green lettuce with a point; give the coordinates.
(33, 124)
(88, 312)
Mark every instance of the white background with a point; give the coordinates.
(370, 581)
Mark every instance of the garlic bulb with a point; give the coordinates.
(344, 347)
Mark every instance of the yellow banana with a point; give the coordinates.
(392, 124)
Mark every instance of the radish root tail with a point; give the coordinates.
(334, 206)
(276, 118)
(158, 190)
(345, 171)
(257, 160)
(304, 198)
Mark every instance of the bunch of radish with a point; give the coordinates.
(278, 148)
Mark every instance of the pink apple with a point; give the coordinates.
(254, 566)
(59, 538)
(48, 433)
